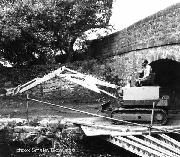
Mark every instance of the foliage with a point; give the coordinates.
(31, 30)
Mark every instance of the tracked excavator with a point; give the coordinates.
(139, 104)
(135, 104)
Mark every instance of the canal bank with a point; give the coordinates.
(51, 137)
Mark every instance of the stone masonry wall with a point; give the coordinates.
(162, 28)
(128, 64)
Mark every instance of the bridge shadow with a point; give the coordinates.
(167, 73)
(167, 76)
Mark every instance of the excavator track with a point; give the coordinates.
(141, 115)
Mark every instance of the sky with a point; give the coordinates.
(127, 12)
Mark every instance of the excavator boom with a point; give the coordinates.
(86, 81)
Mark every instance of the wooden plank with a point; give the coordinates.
(90, 131)
(154, 146)
(95, 128)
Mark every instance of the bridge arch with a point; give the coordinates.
(167, 72)
(155, 38)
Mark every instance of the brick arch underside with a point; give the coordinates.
(167, 76)
(167, 73)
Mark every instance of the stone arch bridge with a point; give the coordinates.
(155, 38)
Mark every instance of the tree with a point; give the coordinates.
(39, 26)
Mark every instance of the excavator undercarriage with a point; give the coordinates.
(137, 105)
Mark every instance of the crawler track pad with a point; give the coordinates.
(140, 115)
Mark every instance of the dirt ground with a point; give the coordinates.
(16, 107)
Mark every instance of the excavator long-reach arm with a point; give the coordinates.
(86, 81)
